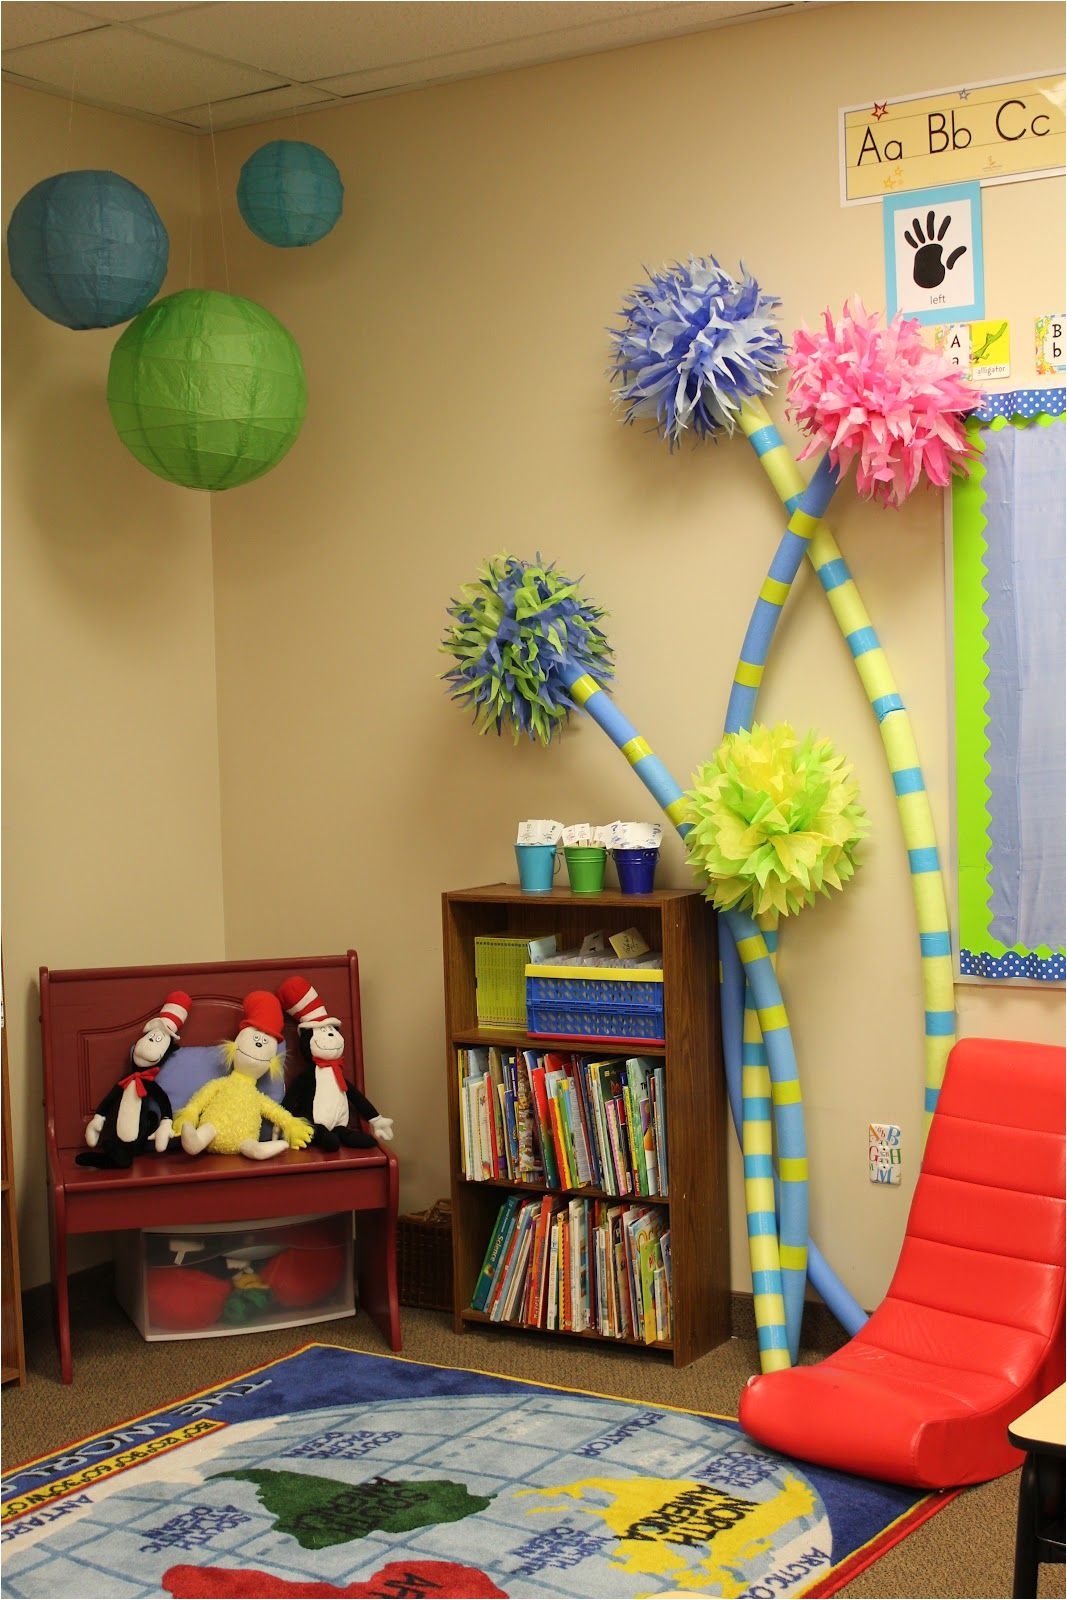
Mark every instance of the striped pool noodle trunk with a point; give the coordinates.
(761, 1191)
(894, 725)
(913, 807)
(774, 1348)
(787, 1110)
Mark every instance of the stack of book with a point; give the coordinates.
(566, 1121)
(500, 977)
(579, 1265)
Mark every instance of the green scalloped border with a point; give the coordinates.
(970, 672)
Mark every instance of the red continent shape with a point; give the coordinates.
(397, 1580)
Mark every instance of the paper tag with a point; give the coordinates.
(628, 943)
(593, 943)
(634, 835)
(1050, 345)
(577, 834)
(539, 830)
(541, 949)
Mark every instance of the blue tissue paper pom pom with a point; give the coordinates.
(693, 346)
(520, 634)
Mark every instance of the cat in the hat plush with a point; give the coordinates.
(134, 1117)
(225, 1115)
(321, 1094)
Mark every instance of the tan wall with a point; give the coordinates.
(111, 836)
(453, 328)
(454, 332)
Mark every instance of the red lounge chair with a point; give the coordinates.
(971, 1331)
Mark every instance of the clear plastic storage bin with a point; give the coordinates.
(219, 1278)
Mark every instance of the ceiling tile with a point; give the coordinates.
(131, 12)
(168, 61)
(246, 108)
(125, 67)
(319, 38)
(29, 23)
(609, 27)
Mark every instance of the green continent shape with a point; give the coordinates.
(319, 1512)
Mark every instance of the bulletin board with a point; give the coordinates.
(1008, 586)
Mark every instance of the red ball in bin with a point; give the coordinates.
(181, 1298)
(300, 1278)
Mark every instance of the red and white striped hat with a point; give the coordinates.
(174, 1014)
(301, 1001)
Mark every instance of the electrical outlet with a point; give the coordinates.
(883, 1152)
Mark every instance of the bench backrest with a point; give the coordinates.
(91, 1017)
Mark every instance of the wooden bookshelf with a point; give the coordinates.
(681, 924)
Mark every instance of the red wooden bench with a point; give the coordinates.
(89, 1020)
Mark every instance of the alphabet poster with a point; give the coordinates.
(986, 133)
(1009, 576)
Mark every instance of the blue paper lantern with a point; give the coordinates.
(87, 249)
(290, 193)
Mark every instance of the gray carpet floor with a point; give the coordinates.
(966, 1550)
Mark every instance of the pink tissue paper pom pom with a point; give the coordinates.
(882, 398)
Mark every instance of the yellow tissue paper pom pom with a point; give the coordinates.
(774, 821)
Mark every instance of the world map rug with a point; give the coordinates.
(334, 1473)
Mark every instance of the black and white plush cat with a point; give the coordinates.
(134, 1117)
(321, 1093)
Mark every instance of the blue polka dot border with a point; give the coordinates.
(1032, 968)
(1022, 403)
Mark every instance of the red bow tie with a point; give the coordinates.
(139, 1079)
(335, 1068)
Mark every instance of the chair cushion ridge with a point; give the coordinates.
(968, 1316)
(1055, 1260)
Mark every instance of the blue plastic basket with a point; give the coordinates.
(595, 1003)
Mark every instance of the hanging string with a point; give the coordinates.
(218, 196)
(70, 110)
(193, 210)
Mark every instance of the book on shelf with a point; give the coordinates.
(573, 1169)
(576, 1265)
(543, 1119)
(533, 1304)
(516, 1283)
(600, 1143)
(502, 1299)
(466, 1150)
(578, 1116)
(500, 962)
(659, 1102)
(563, 1120)
(531, 1168)
(498, 1241)
(501, 1158)
(552, 1285)
(639, 1073)
(644, 1226)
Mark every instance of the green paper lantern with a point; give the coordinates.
(207, 389)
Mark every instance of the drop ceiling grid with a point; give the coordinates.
(225, 64)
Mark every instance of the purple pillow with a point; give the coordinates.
(191, 1066)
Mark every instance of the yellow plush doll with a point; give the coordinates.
(225, 1115)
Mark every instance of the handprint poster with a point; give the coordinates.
(1009, 574)
(933, 254)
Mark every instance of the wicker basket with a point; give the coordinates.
(424, 1258)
